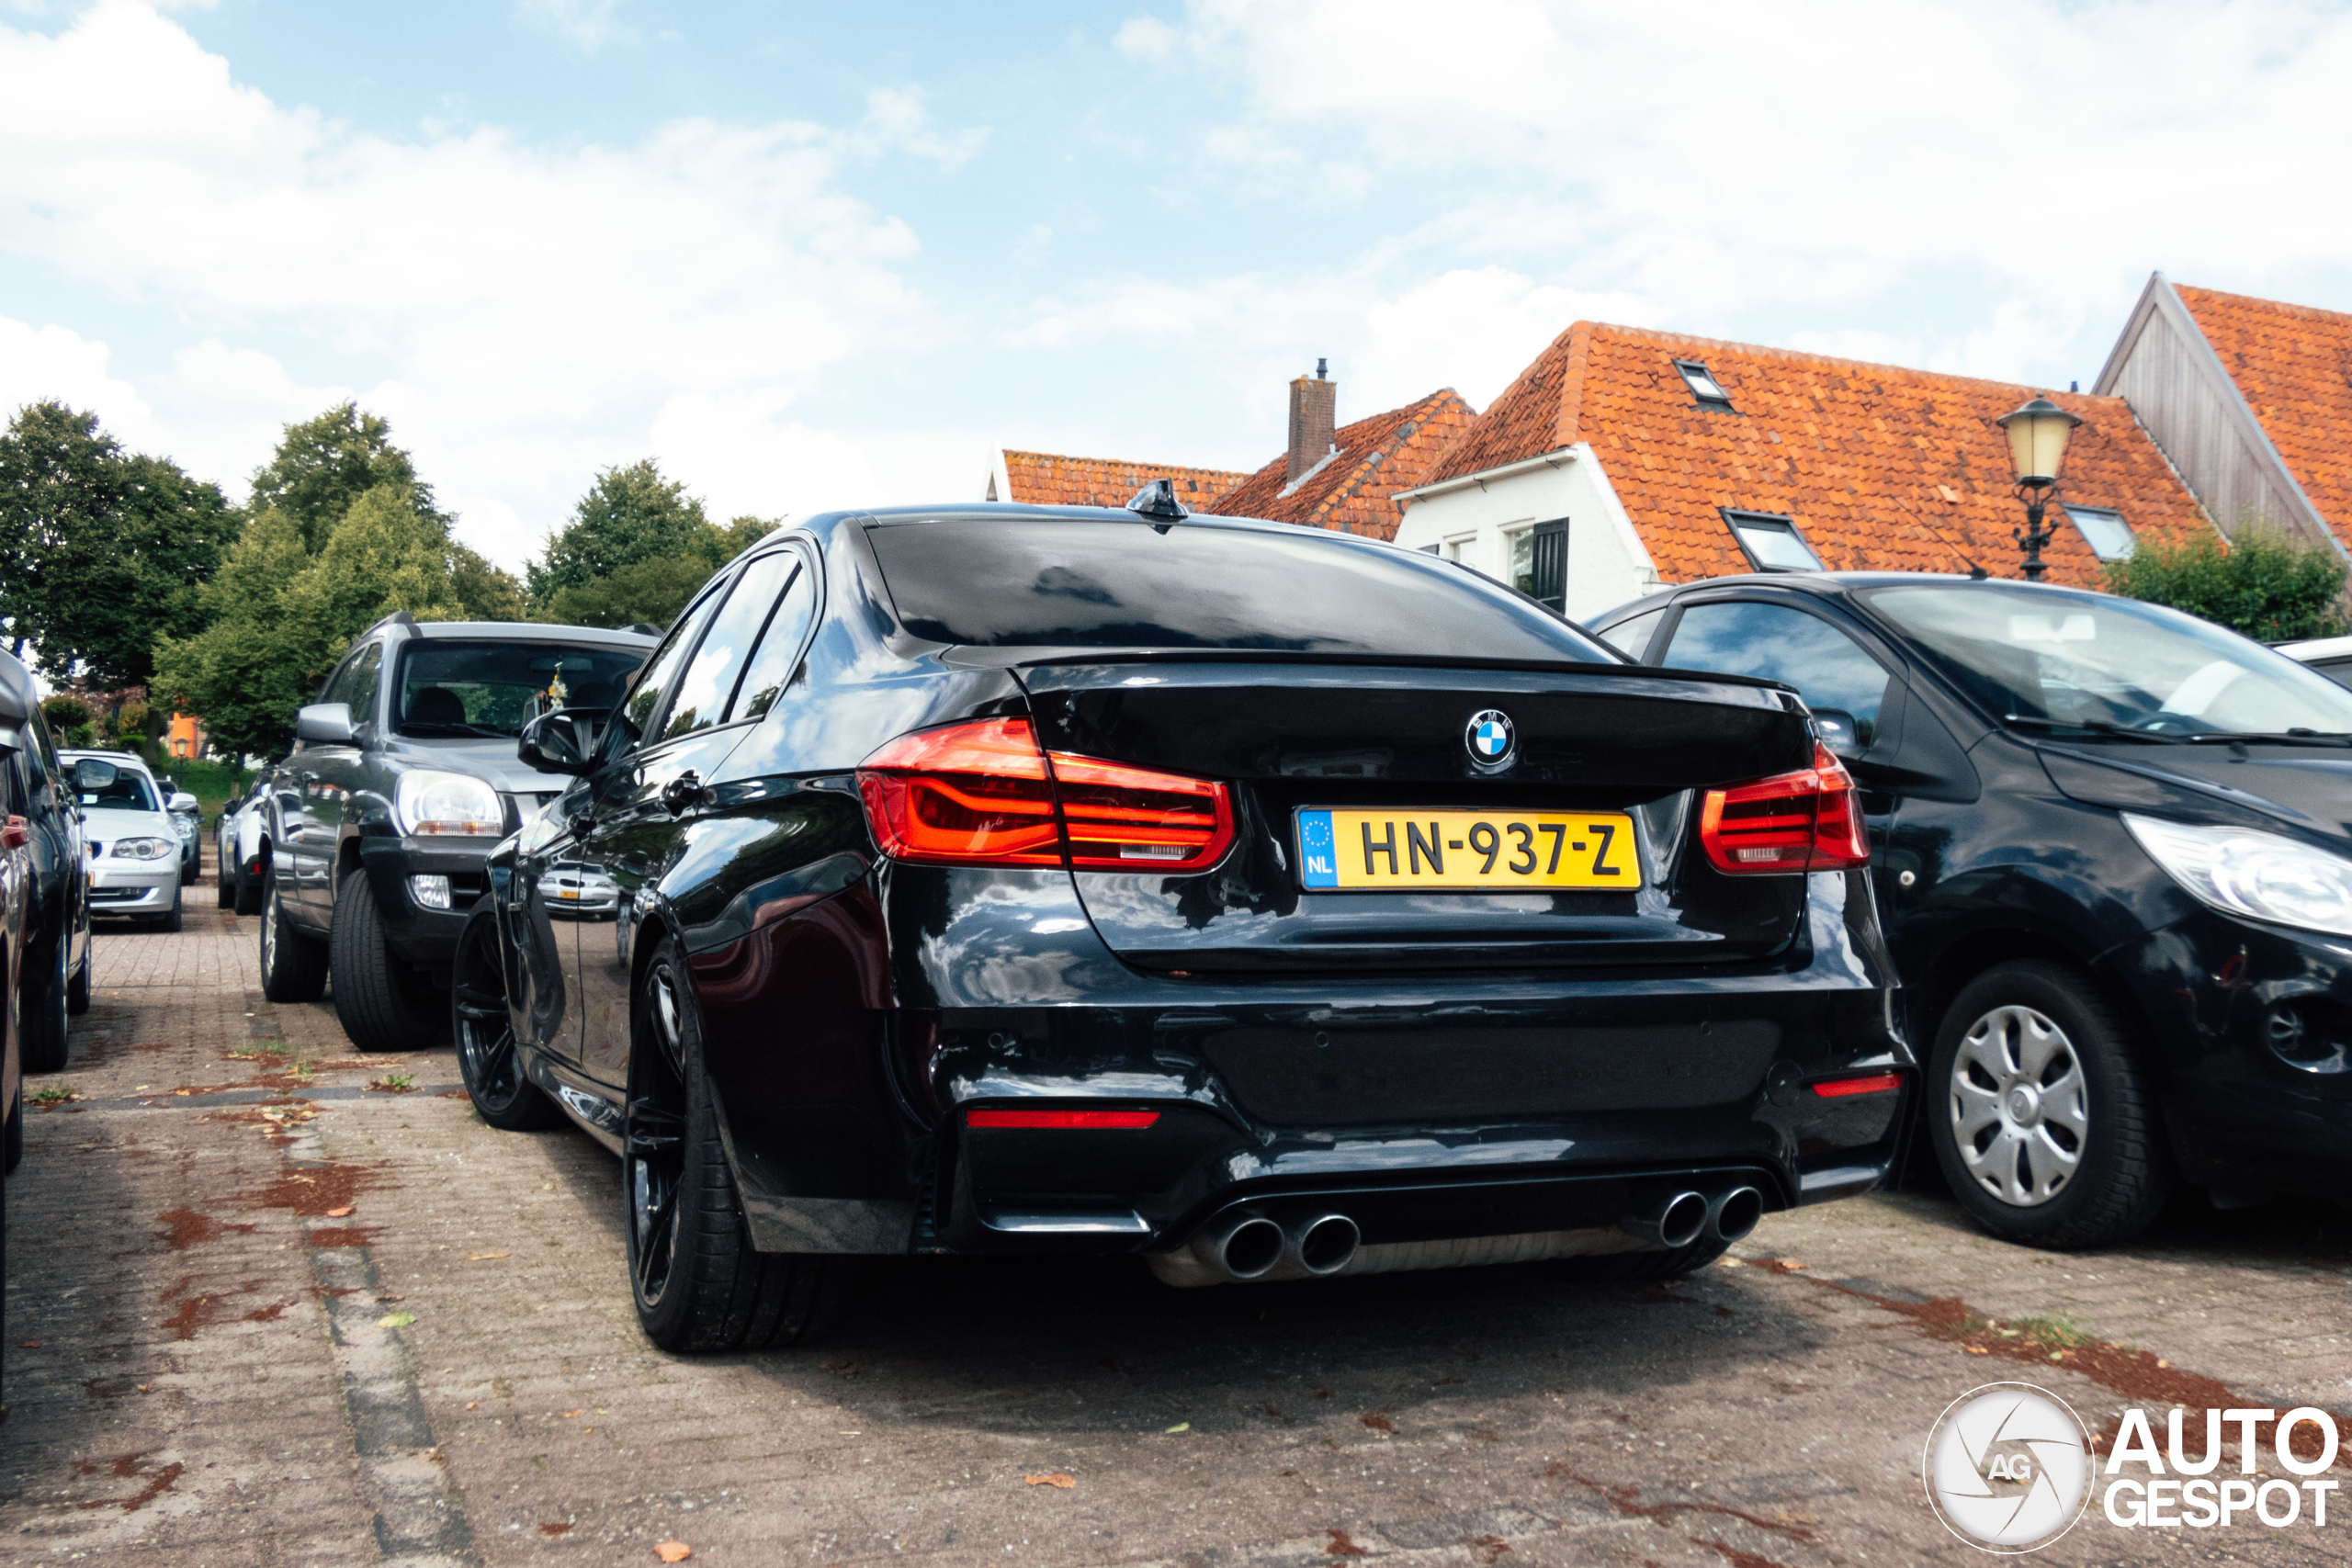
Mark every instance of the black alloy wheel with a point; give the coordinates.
(384, 1004)
(41, 1045)
(2039, 1113)
(698, 1283)
(293, 962)
(484, 1029)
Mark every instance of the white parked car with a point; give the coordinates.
(131, 844)
(237, 851)
(2331, 656)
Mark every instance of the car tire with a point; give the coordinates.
(248, 892)
(384, 1003)
(2040, 1114)
(12, 1136)
(190, 870)
(293, 962)
(483, 1026)
(77, 989)
(41, 1042)
(170, 920)
(225, 884)
(699, 1285)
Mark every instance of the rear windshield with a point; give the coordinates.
(493, 688)
(1046, 583)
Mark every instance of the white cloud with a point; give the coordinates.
(1145, 39)
(51, 363)
(521, 303)
(1810, 158)
(587, 25)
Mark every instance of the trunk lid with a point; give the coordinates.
(1391, 737)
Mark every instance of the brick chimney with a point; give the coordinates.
(1312, 401)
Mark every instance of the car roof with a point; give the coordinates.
(119, 758)
(2316, 647)
(531, 631)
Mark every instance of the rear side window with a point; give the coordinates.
(710, 675)
(1048, 582)
(1783, 644)
(771, 666)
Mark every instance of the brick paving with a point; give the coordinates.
(208, 1381)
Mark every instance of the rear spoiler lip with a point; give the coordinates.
(963, 655)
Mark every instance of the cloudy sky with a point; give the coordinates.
(815, 255)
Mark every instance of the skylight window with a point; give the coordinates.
(1771, 544)
(1703, 383)
(2104, 532)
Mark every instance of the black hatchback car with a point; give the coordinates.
(2113, 845)
(1262, 901)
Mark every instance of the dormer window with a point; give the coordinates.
(2104, 531)
(1771, 542)
(1703, 383)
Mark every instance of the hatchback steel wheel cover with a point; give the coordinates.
(2020, 1113)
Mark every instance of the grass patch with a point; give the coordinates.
(50, 1094)
(2057, 1332)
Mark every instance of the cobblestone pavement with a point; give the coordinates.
(207, 1241)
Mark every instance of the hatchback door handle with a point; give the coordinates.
(681, 792)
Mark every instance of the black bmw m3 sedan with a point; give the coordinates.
(1263, 902)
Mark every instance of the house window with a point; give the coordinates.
(2104, 532)
(1456, 547)
(1539, 563)
(1703, 383)
(1771, 542)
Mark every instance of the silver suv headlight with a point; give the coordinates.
(2243, 871)
(429, 801)
(144, 849)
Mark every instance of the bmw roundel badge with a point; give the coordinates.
(1492, 743)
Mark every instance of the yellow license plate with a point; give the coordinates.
(1480, 852)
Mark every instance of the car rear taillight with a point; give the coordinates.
(975, 794)
(1806, 820)
(983, 793)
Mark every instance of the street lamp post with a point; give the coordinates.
(2038, 433)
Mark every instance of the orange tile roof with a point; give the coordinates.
(1375, 459)
(1881, 468)
(1050, 479)
(2294, 366)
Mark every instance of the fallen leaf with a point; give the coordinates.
(342, 1213)
(474, 1405)
(556, 1529)
(485, 1257)
(2162, 1365)
(1180, 1426)
(674, 1551)
(32, 1344)
(1342, 1547)
(1056, 1479)
(574, 1414)
(396, 1320)
(1978, 1350)
(1378, 1422)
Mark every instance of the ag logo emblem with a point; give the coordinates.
(1491, 740)
(2008, 1467)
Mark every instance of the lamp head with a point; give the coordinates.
(2038, 433)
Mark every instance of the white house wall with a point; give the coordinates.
(1607, 564)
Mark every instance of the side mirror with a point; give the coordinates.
(326, 723)
(1839, 733)
(558, 742)
(186, 804)
(89, 774)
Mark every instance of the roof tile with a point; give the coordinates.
(2294, 366)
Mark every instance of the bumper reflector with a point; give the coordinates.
(1877, 1083)
(1060, 1118)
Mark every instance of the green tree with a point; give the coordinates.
(654, 589)
(100, 549)
(629, 514)
(2263, 584)
(323, 466)
(279, 617)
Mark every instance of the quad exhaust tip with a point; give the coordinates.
(1327, 1245)
(1676, 1221)
(1246, 1247)
(1734, 1213)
